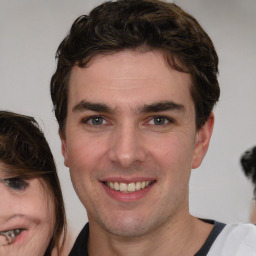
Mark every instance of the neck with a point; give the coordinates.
(169, 239)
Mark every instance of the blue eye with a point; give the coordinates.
(95, 120)
(98, 120)
(160, 120)
(16, 183)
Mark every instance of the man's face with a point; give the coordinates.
(130, 141)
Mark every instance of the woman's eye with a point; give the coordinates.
(16, 183)
(159, 120)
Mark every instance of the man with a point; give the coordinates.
(133, 94)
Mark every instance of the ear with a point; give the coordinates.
(202, 141)
(64, 148)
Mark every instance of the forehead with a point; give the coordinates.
(128, 77)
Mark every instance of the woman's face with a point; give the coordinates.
(27, 212)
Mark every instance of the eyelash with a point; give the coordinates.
(16, 184)
(91, 118)
(165, 118)
(103, 121)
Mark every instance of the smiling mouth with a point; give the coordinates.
(11, 235)
(128, 187)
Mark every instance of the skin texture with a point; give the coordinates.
(29, 208)
(131, 139)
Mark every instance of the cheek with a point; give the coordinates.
(43, 232)
(40, 205)
(174, 158)
(45, 217)
(86, 151)
(173, 151)
(42, 210)
(25, 205)
(49, 213)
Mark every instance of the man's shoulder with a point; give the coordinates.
(80, 246)
(235, 240)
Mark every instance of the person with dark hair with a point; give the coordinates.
(248, 162)
(32, 215)
(133, 93)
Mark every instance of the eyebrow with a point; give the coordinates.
(161, 106)
(154, 107)
(97, 107)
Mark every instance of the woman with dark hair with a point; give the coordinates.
(32, 215)
(248, 162)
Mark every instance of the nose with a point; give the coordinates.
(127, 149)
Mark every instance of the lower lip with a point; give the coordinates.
(129, 196)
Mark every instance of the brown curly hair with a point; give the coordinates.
(141, 25)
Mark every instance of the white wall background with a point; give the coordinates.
(30, 32)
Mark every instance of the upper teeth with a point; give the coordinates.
(128, 187)
(11, 234)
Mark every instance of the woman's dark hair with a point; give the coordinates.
(25, 153)
(140, 25)
(248, 162)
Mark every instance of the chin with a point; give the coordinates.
(128, 227)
